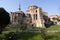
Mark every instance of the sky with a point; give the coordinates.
(52, 7)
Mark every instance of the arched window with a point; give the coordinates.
(36, 11)
(35, 16)
(15, 18)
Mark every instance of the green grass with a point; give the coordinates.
(29, 36)
(34, 36)
(54, 27)
(54, 36)
(11, 29)
(2, 35)
(25, 36)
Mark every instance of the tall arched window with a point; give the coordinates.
(15, 18)
(35, 16)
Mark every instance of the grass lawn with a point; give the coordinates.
(54, 36)
(11, 29)
(54, 27)
(2, 35)
(25, 36)
(29, 36)
(34, 36)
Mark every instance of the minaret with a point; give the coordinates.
(19, 8)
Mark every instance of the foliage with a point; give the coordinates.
(4, 19)
(54, 27)
(11, 36)
(54, 18)
(29, 36)
(35, 28)
(58, 19)
(2, 36)
(23, 27)
(21, 36)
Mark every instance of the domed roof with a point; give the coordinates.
(33, 6)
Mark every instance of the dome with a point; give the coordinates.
(32, 7)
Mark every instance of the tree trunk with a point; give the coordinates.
(0, 29)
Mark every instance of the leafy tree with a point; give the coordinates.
(4, 19)
(11, 36)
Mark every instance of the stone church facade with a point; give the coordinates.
(34, 16)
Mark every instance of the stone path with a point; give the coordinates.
(34, 31)
(53, 31)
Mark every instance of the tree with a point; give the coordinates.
(11, 36)
(4, 19)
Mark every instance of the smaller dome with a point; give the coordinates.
(32, 7)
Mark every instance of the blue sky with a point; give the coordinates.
(50, 6)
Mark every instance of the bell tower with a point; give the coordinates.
(19, 8)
